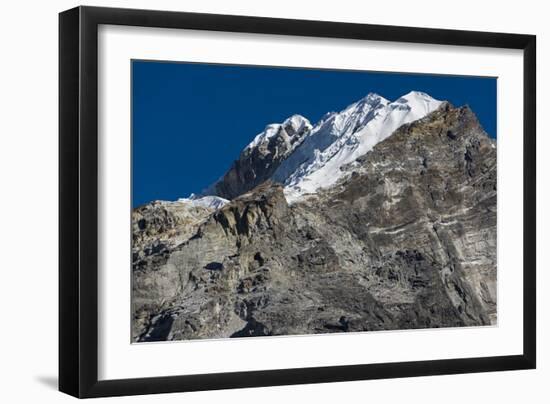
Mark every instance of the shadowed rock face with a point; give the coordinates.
(257, 164)
(406, 240)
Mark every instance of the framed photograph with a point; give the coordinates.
(251, 201)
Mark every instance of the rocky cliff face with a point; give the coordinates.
(305, 158)
(406, 238)
(260, 159)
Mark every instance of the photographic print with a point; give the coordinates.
(275, 201)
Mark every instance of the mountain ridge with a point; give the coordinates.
(407, 240)
(304, 157)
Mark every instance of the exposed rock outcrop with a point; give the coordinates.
(405, 239)
(259, 160)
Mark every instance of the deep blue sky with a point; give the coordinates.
(190, 121)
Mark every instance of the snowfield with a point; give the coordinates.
(342, 137)
(339, 138)
(213, 202)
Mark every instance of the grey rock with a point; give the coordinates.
(406, 240)
(257, 164)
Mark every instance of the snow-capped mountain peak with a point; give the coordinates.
(305, 157)
(371, 99)
(213, 202)
(329, 135)
(419, 101)
(345, 136)
(297, 123)
(292, 125)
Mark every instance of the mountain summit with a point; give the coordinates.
(259, 159)
(407, 240)
(305, 158)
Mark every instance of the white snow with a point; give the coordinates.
(296, 122)
(213, 202)
(342, 137)
(339, 138)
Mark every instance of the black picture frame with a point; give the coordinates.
(78, 201)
